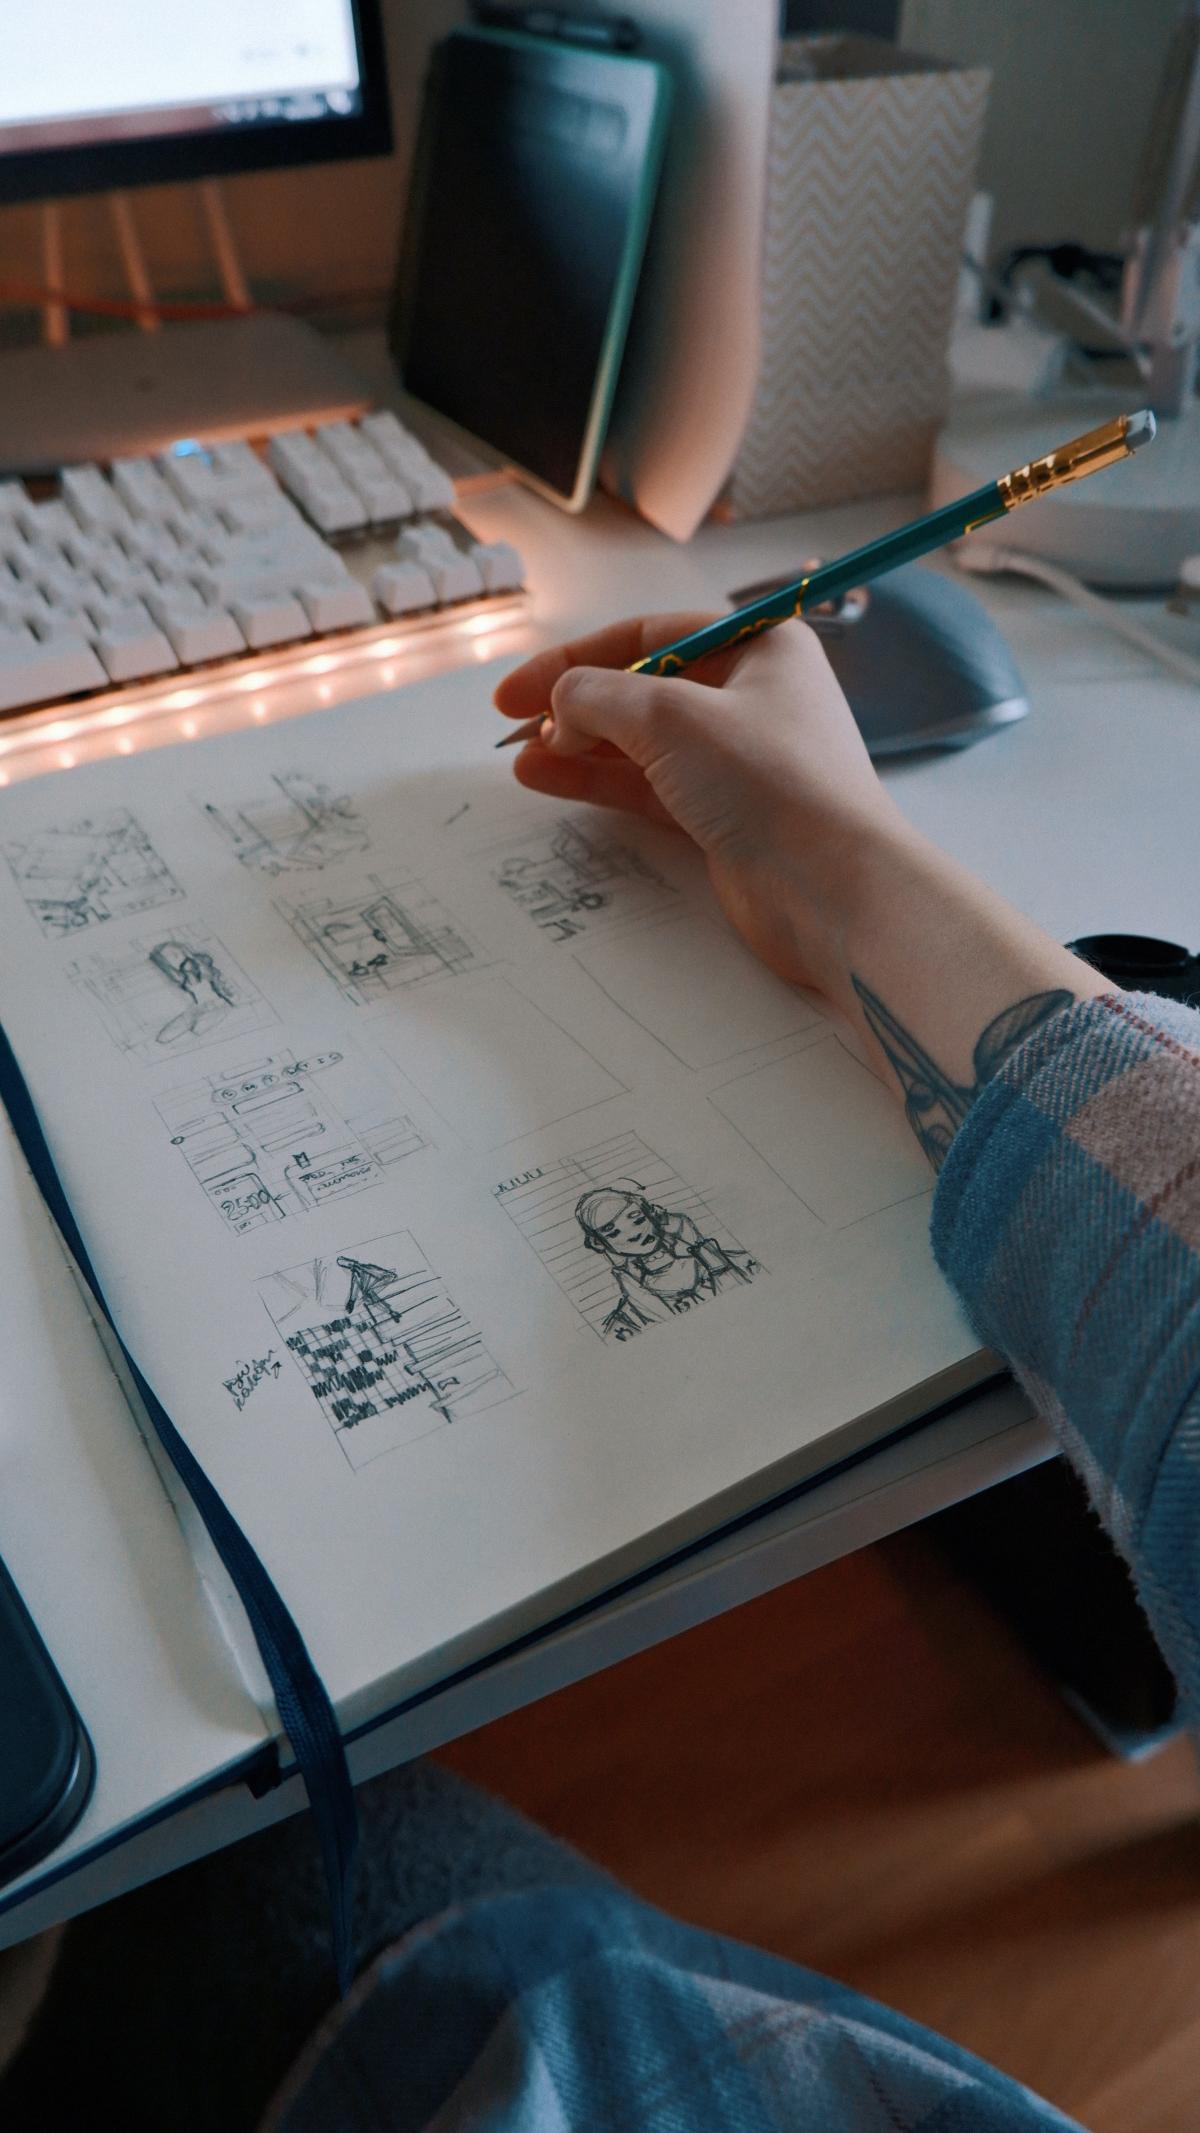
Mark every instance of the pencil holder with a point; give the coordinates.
(871, 164)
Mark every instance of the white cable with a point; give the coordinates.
(986, 559)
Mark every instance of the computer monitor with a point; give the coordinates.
(137, 92)
(143, 91)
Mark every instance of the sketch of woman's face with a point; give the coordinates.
(629, 1233)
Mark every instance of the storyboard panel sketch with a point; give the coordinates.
(382, 1345)
(82, 873)
(571, 880)
(298, 826)
(829, 1130)
(381, 938)
(165, 994)
(625, 1239)
(695, 988)
(491, 1061)
(274, 1139)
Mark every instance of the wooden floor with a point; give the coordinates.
(863, 1772)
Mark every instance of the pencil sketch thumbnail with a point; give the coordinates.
(271, 1140)
(167, 994)
(382, 938)
(299, 826)
(82, 873)
(382, 1345)
(625, 1239)
(569, 879)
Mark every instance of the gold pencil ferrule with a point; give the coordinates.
(1097, 448)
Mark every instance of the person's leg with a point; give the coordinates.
(183, 2004)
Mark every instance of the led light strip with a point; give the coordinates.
(376, 650)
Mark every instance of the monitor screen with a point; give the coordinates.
(160, 89)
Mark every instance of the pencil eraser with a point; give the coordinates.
(1140, 429)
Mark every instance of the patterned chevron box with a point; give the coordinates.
(871, 164)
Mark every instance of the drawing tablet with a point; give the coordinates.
(535, 172)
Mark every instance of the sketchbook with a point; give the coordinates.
(490, 1223)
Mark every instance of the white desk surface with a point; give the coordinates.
(1084, 814)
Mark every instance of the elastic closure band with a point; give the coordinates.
(305, 1711)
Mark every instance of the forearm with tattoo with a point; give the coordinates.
(934, 1104)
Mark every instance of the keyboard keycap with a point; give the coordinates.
(336, 607)
(351, 452)
(499, 566)
(28, 560)
(402, 588)
(330, 503)
(131, 649)
(180, 599)
(269, 620)
(292, 453)
(401, 451)
(142, 489)
(384, 496)
(63, 586)
(426, 543)
(457, 580)
(92, 502)
(117, 573)
(206, 480)
(118, 608)
(431, 486)
(84, 550)
(44, 522)
(238, 462)
(33, 672)
(255, 513)
(210, 634)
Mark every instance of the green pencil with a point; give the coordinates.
(1071, 462)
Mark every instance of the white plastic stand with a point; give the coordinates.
(114, 395)
(1129, 528)
(119, 394)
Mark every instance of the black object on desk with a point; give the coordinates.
(47, 1767)
(1139, 963)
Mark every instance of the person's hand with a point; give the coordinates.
(753, 754)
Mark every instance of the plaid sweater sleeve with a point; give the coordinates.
(1068, 1219)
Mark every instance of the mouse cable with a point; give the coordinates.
(988, 559)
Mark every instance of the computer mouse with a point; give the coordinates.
(922, 663)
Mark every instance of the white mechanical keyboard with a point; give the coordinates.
(201, 557)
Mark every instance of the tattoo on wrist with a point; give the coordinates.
(934, 1105)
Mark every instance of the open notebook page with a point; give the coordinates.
(486, 1218)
